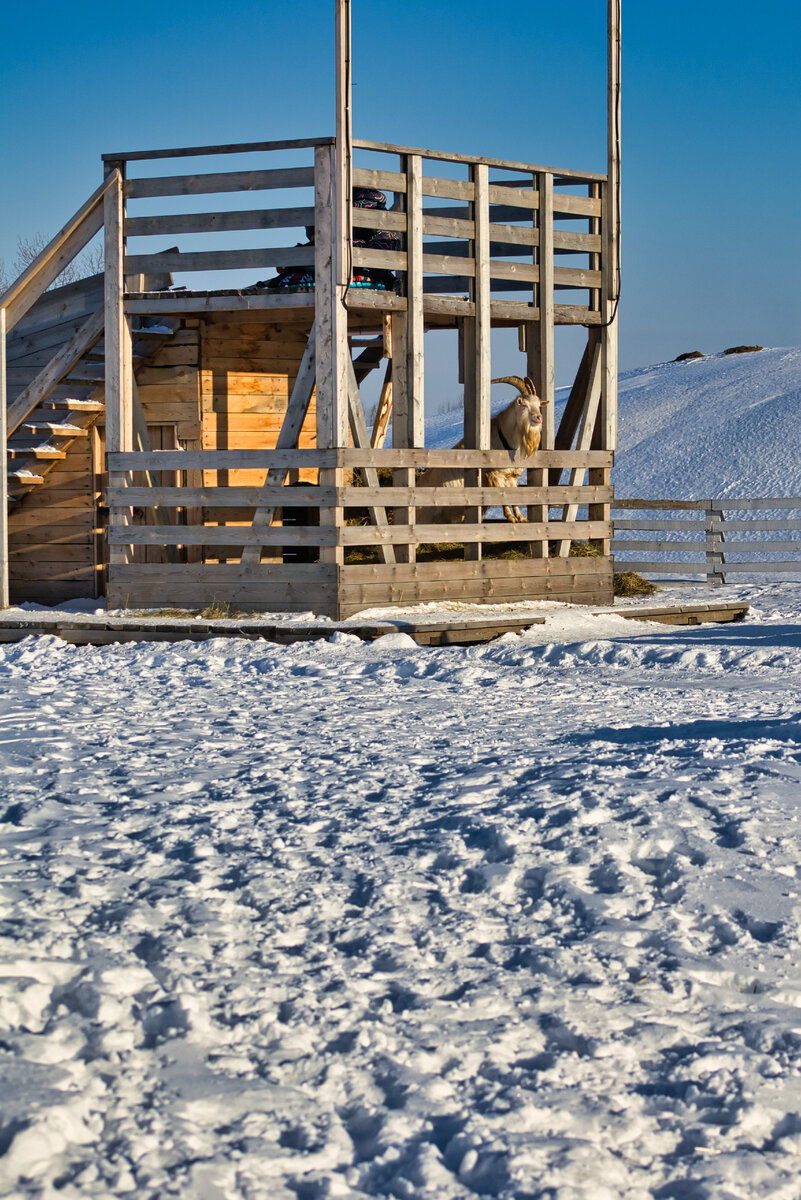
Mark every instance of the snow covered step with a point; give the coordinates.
(86, 406)
(54, 429)
(36, 452)
(22, 477)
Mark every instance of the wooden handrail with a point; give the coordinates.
(47, 266)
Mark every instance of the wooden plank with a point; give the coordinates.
(415, 363)
(225, 181)
(585, 435)
(509, 568)
(219, 222)
(222, 260)
(448, 156)
(755, 526)
(223, 460)
(202, 151)
(479, 431)
(330, 313)
(492, 531)
(666, 568)
(545, 302)
(296, 496)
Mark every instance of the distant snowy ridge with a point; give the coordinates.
(723, 425)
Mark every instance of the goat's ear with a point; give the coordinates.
(519, 400)
(544, 402)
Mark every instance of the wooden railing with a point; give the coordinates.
(694, 537)
(392, 506)
(499, 214)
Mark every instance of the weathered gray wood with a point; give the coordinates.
(226, 181)
(312, 496)
(60, 365)
(545, 302)
(330, 313)
(226, 460)
(383, 410)
(415, 369)
(118, 393)
(222, 260)
(447, 156)
(233, 148)
(478, 434)
(219, 222)
(585, 435)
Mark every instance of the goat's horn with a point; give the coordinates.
(515, 381)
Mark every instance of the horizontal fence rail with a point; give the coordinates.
(340, 511)
(711, 538)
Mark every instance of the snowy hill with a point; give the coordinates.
(723, 425)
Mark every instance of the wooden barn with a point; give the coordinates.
(174, 445)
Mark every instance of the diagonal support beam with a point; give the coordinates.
(584, 442)
(288, 437)
(361, 440)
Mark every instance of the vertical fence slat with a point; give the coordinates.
(546, 329)
(117, 355)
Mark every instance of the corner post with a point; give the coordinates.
(610, 289)
(118, 353)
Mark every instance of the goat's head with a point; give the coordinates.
(528, 405)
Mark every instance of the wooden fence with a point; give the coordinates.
(711, 538)
(348, 540)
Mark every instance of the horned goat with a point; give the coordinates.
(517, 429)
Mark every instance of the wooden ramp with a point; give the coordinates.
(99, 630)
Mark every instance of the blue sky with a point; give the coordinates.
(711, 120)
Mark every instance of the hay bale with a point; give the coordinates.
(630, 583)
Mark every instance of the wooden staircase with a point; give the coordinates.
(74, 402)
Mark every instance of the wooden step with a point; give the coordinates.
(50, 429)
(22, 478)
(16, 452)
(87, 373)
(74, 406)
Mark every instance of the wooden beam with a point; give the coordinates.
(361, 439)
(586, 430)
(331, 316)
(610, 288)
(415, 370)
(295, 415)
(383, 411)
(546, 307)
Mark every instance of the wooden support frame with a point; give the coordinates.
(361, 440)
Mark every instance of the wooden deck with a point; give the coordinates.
(99, 630)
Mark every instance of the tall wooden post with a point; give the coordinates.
(611, 232)
(118, 353)
(3, 467)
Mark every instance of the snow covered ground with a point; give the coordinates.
(722, 425)
(340, 919)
